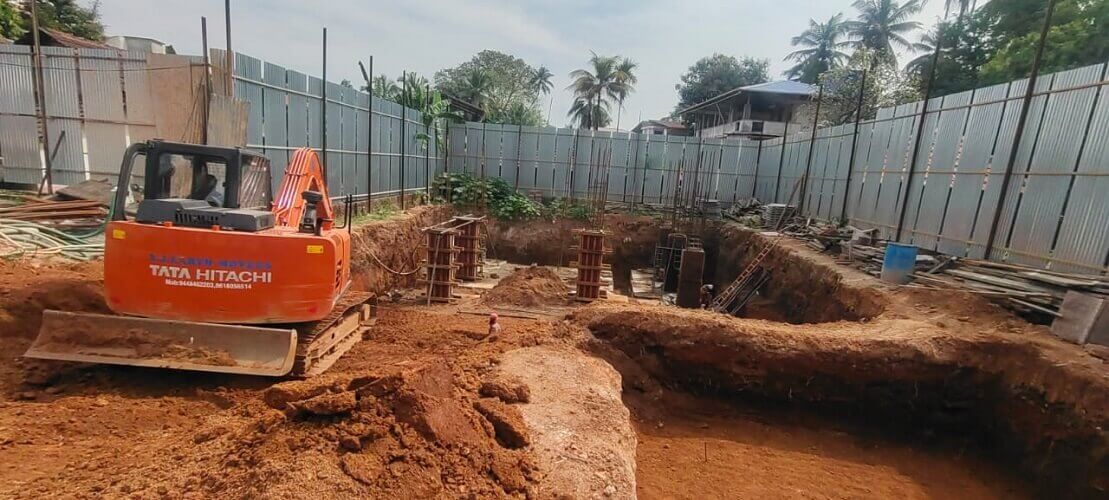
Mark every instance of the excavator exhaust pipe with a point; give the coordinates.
(155, 343)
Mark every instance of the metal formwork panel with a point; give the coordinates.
(315, 110)
(1023, 161)
(136, 81)
(275, 126)
(729, 176)
(101, 85)
(652, 160)
(1083, 241)
(975, 163)
(1061, 136)
(334, 133)
(585, 161)
(456, 141)
(618, 165)
(923, 211)
(564, 148)
(297, 130)
(769, 166)
(529, 158)
(380, 145)
(510, 162)
(475, 147)
(941, 167)
(60, 80)
(361, 141)
(494, 146)
(68, 165)
(106, 144)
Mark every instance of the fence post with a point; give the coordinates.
(755, 179)
(1029, 92)
(782, 158)
(403, 135)
(40, 103)
(368, 77)
(323, 112)
(854, 144)
(812, 148)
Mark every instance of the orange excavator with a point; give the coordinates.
(207, 271)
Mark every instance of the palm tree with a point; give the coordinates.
(541, 80)
(925, 48)
(625, 74)
(822, 49)
(589, 114)
(385, 88)
(476, 87)
(882, 27)
(593, 89)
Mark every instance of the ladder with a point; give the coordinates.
(721, 301)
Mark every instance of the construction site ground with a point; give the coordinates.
(865, 391)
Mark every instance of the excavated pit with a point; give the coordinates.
(950, 374)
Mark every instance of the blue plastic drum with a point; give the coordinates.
(899, 263)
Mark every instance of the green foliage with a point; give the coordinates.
(70, 17)
(883, 26)
(609, 79)
(381, 210)
(1079, 36)
(719, 73)
(503, 202)
(499, 83)
(11, 21)
(885, 87)
(561, 208)
(822, 50)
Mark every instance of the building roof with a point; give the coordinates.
(782, 87)
(55, 38)
(669, 124)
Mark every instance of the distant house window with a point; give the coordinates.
(656, 132)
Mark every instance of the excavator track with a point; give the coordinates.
(321, 343)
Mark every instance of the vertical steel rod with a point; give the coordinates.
(854, 144)
(812, 148)
(368, 77)
(228, 58)
(207, 79)
(40, 103)
(323, 111)
(1029, 92)
(782, 158)
(403, 132)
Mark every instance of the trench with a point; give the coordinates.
(815, 418)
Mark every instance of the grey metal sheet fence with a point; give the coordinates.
(1055, 214)
(286, 113)
(98, 101)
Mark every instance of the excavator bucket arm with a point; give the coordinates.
(304, 173)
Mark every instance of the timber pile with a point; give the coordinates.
(1024, 289)
(58, 214)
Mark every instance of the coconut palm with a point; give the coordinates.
(385, 88)
(593, 89)
(924, 49)
(822, 43)
(541, 80)
(625, 73)
(476, 88)
(882, 27)
(587, 113)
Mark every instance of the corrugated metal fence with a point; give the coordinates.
(98, 101)
(1055, 214)
(286, 114)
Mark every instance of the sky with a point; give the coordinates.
(664, 36)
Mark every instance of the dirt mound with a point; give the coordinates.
(528, 286)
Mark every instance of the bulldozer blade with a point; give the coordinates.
(178, 345)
